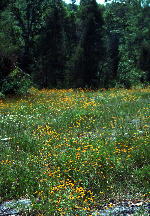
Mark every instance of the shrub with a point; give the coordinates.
(129, 75)
(17, 83)
(1, 95)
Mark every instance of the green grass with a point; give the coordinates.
(71, 150)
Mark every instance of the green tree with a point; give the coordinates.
(71, 40)
(9, 46)
(29, 17)
(90, 51)
(115, 23)
(3, 4)
(129, 73)
(144, 60)
(127, 42)
(20, 23)
(52, 47)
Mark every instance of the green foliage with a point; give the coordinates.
(2, 96)
(29, 18)
(124, 21)
(17, 83)
(9, 45)
(129, 75)
(52, 47)
(69, 151)
(70, 45)
(90, 50)
(3, 5)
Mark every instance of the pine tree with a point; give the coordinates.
(90, 51)
(52, 47)
(71, 41)
(113, 29)
(144, 60)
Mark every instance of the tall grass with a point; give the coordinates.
(71, 150)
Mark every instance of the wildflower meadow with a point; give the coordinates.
(69, 151)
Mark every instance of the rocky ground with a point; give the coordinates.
(124, 208)
(113, 208)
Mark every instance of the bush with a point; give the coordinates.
(17, 83)
(129, 75)
(2, 95)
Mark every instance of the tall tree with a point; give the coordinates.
(8, 44)
(29, 16)
(52, 47)
(115, 23)
(90, 51)
(129, 73)
(71, 40)
(144, 60)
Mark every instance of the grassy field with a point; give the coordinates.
(71, 150)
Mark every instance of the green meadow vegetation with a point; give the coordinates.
(71, 150)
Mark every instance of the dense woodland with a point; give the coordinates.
(52, 44)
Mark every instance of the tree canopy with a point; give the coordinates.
(64, 45)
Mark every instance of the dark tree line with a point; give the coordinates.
(59, 45)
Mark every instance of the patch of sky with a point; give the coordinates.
(77, 1)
